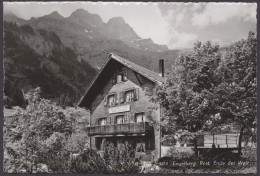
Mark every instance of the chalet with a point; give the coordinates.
(117, 101)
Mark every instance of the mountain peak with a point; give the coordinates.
(54, 15)
(83, 17)
(80, 11)
(116, 20)
(10, 17)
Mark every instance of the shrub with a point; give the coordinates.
(249, 154)
(89, 161)
(59, 163)
(76, 142)
(181, 155)
(121, 160)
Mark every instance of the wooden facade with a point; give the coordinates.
(118, 104)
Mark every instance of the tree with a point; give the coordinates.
(41, 131)
(237, 91)
(185, 96)
(206, 90)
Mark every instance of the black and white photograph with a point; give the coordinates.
(129, 87)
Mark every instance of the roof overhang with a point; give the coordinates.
(157, 80)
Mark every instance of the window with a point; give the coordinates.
(120, 119)
(102, 121)
(126, 119)
(129, 95)
(120, 77)
(108, 120)
(139, 117)
(111, 99)
(140, 145)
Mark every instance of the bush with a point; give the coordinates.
(181, 155)
(59, 163)
(121, 161)
(178, 155)
(76, 142)
(249, 154)
(89, 161)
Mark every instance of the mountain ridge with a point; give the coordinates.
(54, 15)
(88, 42)
(116, 27)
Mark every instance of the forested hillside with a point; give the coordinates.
(38, 58)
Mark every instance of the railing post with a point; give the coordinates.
(226, 141)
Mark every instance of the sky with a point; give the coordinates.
(177, 25)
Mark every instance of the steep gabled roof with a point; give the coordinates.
(139, 69)
(151, 75)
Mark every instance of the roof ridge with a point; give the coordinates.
(135, 63)
(159, 79)
(149, 74)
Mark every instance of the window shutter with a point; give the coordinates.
(113, 119)
(136, 94)
(109, 120)
(117, 98)
(122, 97)
(125, 76)
(132, 117)
(105, 101)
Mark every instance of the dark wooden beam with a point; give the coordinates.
(138, 79)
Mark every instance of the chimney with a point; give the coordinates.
(161, 67)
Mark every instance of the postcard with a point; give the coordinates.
(129, 87)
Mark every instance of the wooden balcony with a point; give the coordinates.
(127, 128)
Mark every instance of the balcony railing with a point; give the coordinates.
(119, 128)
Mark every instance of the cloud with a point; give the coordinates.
(215, 13)
(217, 22)
(181, 39)
(177, 25)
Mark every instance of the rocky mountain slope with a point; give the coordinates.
(91, 38)
(61, 55)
